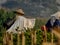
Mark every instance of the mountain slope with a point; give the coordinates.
(35, 8)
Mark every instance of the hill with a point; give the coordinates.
(34, 8)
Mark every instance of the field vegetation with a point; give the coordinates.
(4, 15)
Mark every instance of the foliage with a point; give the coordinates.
(39, 23)
(39, 37)
(4, 15)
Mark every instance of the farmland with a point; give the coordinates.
(4, 15)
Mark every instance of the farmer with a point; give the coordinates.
(9, 22)
(53, 22)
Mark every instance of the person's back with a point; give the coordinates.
(56, 23)
(50, 23)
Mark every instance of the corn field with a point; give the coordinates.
(21, 39)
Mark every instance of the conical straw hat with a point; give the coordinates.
(19, 11)
(57, 15)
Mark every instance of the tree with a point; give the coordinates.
(4, 15)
